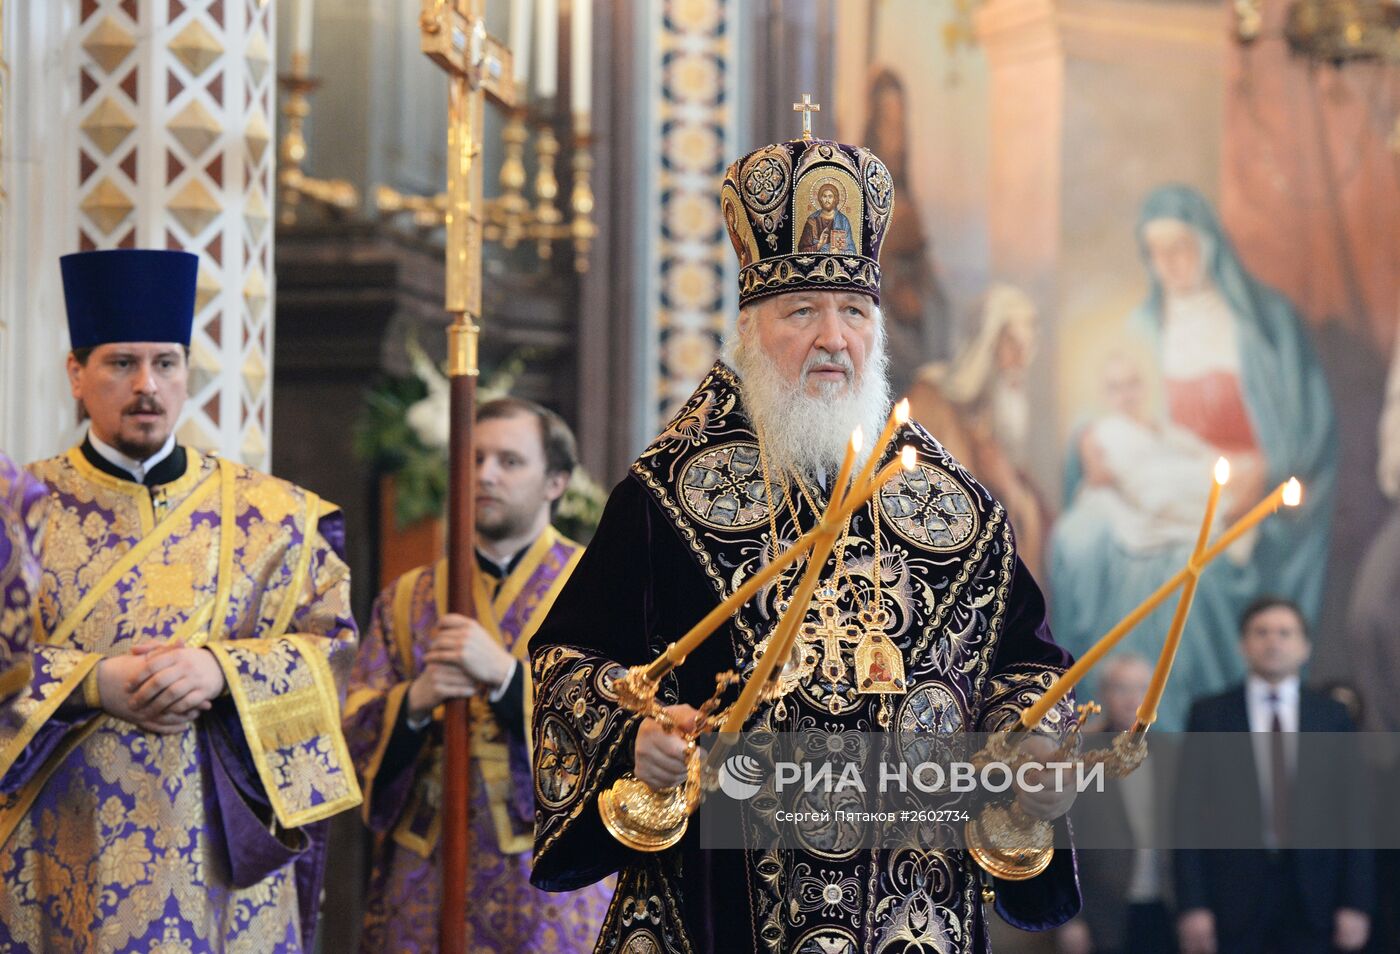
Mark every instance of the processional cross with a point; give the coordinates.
(454, 37)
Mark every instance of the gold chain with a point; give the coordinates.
(842, 571)
(773, 517)
(811, 502)
(878, 570)
(874, 611)
(841, 544)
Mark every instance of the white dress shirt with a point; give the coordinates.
(1261, 710)
(138, 469)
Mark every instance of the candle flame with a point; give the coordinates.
(1292, 493)
(901, 412)
(857, 439)
(908, 457)
(1222, 471)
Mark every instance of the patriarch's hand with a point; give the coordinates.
(660, 754)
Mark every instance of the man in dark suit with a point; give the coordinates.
(1124, 875)
(1269, 899)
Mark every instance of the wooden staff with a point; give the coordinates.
(454, 37)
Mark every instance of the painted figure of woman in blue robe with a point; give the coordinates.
(1240, 377)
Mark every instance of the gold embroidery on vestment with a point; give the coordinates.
(169, 584)
(273, 500)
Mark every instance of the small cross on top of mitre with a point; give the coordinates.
(806, 108)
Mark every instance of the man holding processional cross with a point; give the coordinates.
(478, 66)
(414, 656)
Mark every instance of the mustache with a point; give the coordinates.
(841, 359)
(144, 406)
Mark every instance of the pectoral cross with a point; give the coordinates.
(830, 633)
(454, 37)
(806, 108)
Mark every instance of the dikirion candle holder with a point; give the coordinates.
(1009, 843)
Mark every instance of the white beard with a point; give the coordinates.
(804, 434)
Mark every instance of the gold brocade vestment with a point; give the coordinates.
(401, 771)
(116, 839)
(687, 528)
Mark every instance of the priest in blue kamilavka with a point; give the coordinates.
(167, 772)
(925, 620)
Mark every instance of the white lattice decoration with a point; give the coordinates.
(175, 104)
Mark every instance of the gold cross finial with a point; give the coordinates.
(806, 108)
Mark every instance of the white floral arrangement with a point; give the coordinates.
(405, 428)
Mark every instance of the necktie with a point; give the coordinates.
(1278, 774)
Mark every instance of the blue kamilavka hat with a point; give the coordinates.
(129, 295)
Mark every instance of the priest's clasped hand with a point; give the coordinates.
(463, 642)
(659, 756)
(160, 687)
(461, 659)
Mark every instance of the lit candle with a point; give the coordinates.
(1147, 711)
(907, 460)
(547, 48)
(581, 58)
(520, 11)
(899, 416)
(1289, 494)
(785, 633)
(301, 31)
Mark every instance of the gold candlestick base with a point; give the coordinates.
(645, 819)
(1009, 844)
(639, 816)
(1003, 839)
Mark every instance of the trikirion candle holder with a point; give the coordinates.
(637, 815)
(648, 819)
(1008, 842)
